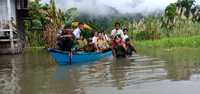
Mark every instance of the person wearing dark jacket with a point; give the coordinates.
(66, 39)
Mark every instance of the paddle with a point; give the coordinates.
(70, 57)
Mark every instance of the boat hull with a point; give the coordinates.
(63, 57)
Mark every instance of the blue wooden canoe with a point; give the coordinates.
(62, 57)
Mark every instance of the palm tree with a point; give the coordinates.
(170, 13)
(196, 13)
(187, 4)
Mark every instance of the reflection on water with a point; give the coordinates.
(182, 63)
(155, 71)
(9, 75)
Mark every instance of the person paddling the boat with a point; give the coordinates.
(67, 38)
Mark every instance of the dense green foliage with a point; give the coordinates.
(45, 21)
(180, 19)
(174, 23)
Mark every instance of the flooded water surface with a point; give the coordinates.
(153, 71)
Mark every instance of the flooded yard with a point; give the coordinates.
(153, 71)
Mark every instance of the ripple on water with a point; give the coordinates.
(125, 73)
(136, 72)
(135, 75)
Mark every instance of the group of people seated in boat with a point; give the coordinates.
(100, 41)
(73, 40)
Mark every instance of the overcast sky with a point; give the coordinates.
(123, 6)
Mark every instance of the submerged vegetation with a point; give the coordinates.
(177, 26)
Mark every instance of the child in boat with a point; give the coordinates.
(95, 38)
(82, 43)
(102, 44)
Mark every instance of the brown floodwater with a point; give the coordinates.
(153, 71)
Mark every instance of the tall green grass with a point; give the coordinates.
(153, 28)
(193, 41)
(34, 39)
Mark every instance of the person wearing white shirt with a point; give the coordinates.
(117, 31)
(125, 34)
(77, 31)
(94, 38)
